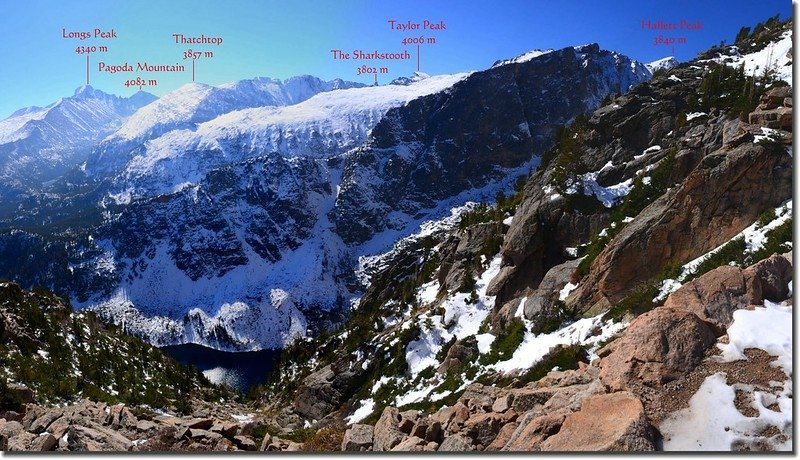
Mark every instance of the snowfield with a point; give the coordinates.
(712, 422)
(196, 102)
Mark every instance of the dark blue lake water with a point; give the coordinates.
(240, 371)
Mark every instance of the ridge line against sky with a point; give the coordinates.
(284, 39)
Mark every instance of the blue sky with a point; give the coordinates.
(286, 38)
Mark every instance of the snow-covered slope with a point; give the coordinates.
(40, 142)
(774, 59)
(196, 102)
(72, 120)
(462, 317)
(323, 126)
(524, 57)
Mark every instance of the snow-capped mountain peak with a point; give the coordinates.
(524, 57)
(663, 63)
(141, 98)
(38, 142)
(83, 115)
(405, 81)
(584, 52)
(87, 91)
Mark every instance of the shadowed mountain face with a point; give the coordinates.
(438, 146)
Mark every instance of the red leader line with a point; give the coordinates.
(417, 58)
(192, 70)
(87, 69)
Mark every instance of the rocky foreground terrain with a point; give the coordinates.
(616, 402)
(95, 426)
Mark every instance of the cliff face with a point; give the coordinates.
(714, 187)
(463, 138)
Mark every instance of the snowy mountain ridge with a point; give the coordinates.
(323, 126)
(196, 102)
(524, 57)
(256, 213)
(290, 230)
(72, 120)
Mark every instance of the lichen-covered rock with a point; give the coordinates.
(769, 279)
(386, 434)
(610, 422)
(358, 438)
(456, 443)
(713, 296)
(483, 427)
(44, 442)
(657, 347)
(532, 431)
(411, 444)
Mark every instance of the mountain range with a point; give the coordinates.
(253, 201)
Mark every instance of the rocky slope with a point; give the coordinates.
(630, 277)
(616, 402)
